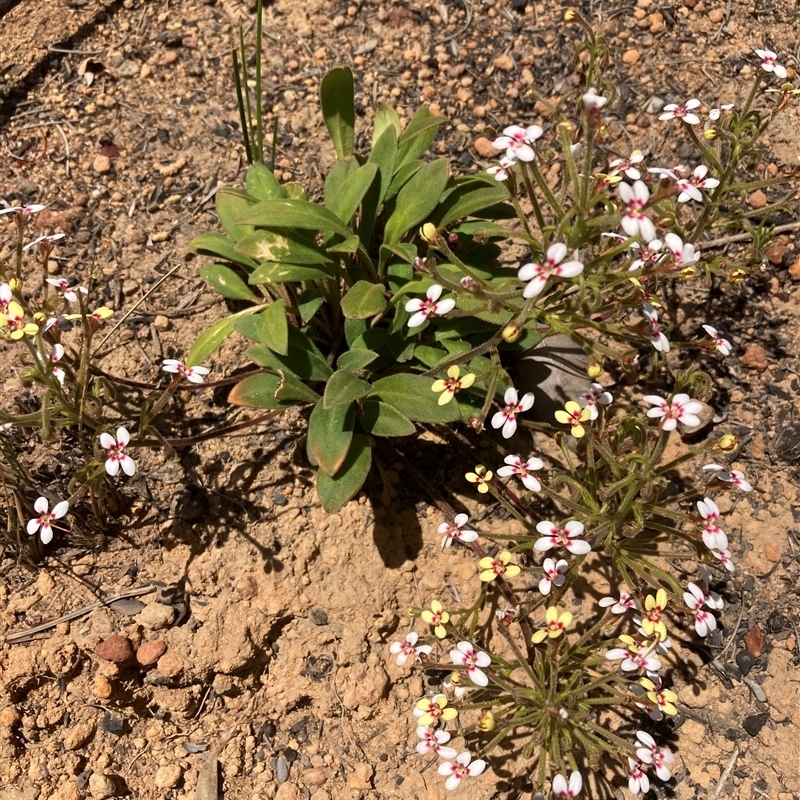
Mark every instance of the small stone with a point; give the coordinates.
(776, 253)
(693, 731)
(755, 357)
(171, 664)
(630, 57)
(149, 652)
(755, 722)
(128, 68)
(772, 552)
(101, 164)
(745, 662)
(67, 791)
(246, 587)
(101, 687)
(794, 270)
(162, 323)
(79, 735)
(9, 717)
(115, 648)
(716, 15)
(316, 776)
(156, 616)
(754, 641)
(318, 616)
(101, 786)
(281, 770)
(145, 71)
(757, 199)
(483, 147)
(504, 62)
(167, 776)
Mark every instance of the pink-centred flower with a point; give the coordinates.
(422, 309)
(635, 221)
(680, 409)
(518, 142)
(514, 465)
(506, 418)
(117, 452)
(455, 530)
(459, 769)
(44, 522)
(409, 648)
(535, 275)
(465, 655)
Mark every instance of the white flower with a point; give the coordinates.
(714, 537)
(460, 769)
(651, 753)
(627, 165)
(408, 648)
(722, 344)
(681, 409)
(44, 521)
(22, 210)
(637, 780)
(69, 290)
(635, 658)
(47, 242)
(566, 537)
(690, 187)
(634, 221)
(466, 656)
(657, 337)
(595, 395)
(684, 253)
(517, 142)
(704, 622)
(500, 171)
(6, 296)
(193, 374)
(117, 455)
(593, 101)
(516, 466)
(455, 530)
(536, 275)
(434, 740)
(431, 305)
(671, 173)
(734, 476)
(621, 605)
(562, 789)
(651, 255)
(769, 63)
(713, 600)
(554, 575)
(55, 357)
(716, 113)
(507, 418)
(684, 112)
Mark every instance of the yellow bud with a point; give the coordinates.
(710, 134)
(736, 275)
(511, 332)
(728, 443)
(428, 232)
(569, 15)
(40, 316)
(595, 369)
(486, 721)
(14, 284)
(688, 272)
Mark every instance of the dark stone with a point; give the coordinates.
(777, 622)
(279, 499)
(755, 722)
(290, 754)
(318, 616)
(745, 662)
(169, 39)
(162, 135)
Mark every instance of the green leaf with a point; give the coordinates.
(291, 388)
(335, 492)
(385, 117)
(294, 214)
(381, 419)
(430, 356)
(223, 280)
(477, 307)
(273, 329)
(404, 250)
(262, 183)
(356, 359)
(417, 199)
(232, 204)
(344, 387)
(336, 178)
(219, 246)
(258, 391)
(382, 156)
(295, 191)
(336, 94)
(412, 396)
(286, 273)
(402, 177)
(212, 338)
(364, 300)
(417, 136)
(288, 247)
(308, 303)
(346, 201)
(330, 431)
(349, 245)
(304, 359)
(467, 200)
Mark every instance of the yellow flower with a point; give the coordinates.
(499, 565)
(595, 369)
(663, 698)
(437, 617)
(574, 415)
(435, 708)
(452, 384)
(511, 332)
(428, 233)
(651, 619)
(104, 312)
(554, 624)
(481, 476)
(728, 442)
(13, 319)
(486, 722)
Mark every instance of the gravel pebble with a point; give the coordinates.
(101, 164)
(167, 776)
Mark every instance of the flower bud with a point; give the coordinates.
(486, 721)
(40, 317)
(728, 442)
(467, 283)
(420, 264)
(428, 232)
(511, 332)
(710, 134)
(452, 238)
(688, 272)
(476, 423)
(595, 369)
(15, 284)
(737, 275)
(569, 15)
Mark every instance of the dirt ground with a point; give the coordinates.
(276, 618)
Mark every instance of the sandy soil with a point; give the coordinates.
(273, 617)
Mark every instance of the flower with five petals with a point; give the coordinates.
(734, 476)
(635, 220)
(690, 187)
(663, 698)
(714, 538)
(409, 648)
(459, 769)
(657, 337)
(434, 740)
(654, 607)
(481, 477)
(518, 142)
(704, 621)
(434, 709)
(563, 789)
(555, 573)
(117, 453)
(455, 530)
(680, 409)
(429, 306)
(595, 395)
(566, 537)
(192, 374)
(683, 111)
(465, 655)
(769, 63)
(13, 319)
(722, 344)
